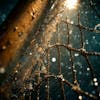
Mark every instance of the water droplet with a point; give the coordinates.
(68, 20)
(87, 42)
(93, 37)
(16, 71)
(70, 32)
(62, 64)
(15, 28)
(88, 69)
(20, 34)
(2, 70)
(53, 59)
(86, 12)
(4, 47)
(96, 83)
(76, 54)
(46, 86)
(95, 79)
(69, 67)
(15, 78)
(63, 79)
(30, 86)
(80, 97)
(72, 22)
(80, 73)
(30, 53)
(43, 69)
(75, 71)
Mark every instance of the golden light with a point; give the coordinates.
(71, 4)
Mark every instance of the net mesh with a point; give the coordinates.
(62, 61)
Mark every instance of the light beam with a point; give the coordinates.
(71, 4)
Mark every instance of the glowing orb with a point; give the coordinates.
(71, 4)
(53, 59)
(2, 70)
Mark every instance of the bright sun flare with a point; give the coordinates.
(71, 4)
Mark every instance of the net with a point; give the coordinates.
(62, 61)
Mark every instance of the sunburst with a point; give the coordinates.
(71, 4)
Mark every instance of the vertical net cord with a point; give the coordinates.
(59, 64)
(71, 56)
